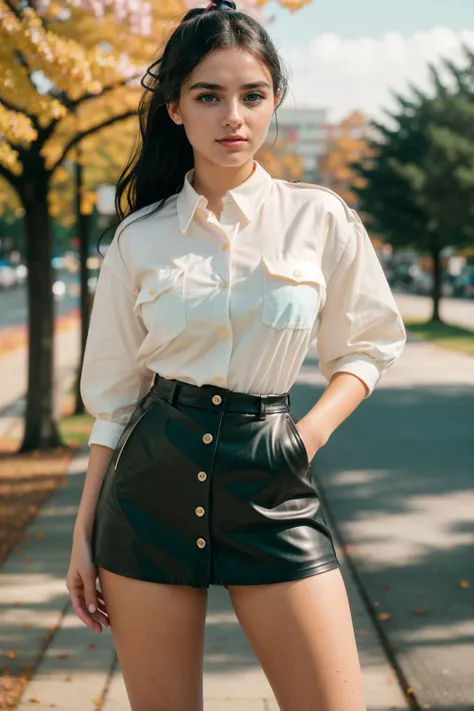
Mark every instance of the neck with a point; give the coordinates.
(215, 181)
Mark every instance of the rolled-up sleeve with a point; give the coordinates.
(111, 382)
(361, 330)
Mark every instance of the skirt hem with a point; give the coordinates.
(297, 574)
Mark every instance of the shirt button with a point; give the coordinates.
(224, 283)
(216, 399)
(207, 439)
(201, 543)
(297, 273)
(202, 476)
(199, 511)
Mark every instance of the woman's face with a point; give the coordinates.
(229, 92)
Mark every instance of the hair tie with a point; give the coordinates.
(220, 7)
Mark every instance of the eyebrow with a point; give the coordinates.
(219, 87)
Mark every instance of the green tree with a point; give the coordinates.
(419, 181)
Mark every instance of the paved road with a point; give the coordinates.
(14, 306)
(397, 477)
(459, 312)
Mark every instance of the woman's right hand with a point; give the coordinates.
(80, 582)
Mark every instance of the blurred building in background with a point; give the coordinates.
(302, 132)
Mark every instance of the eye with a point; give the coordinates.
(260, 97)
(253, 98)
(205, 96)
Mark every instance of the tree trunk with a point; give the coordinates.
(83, 228)
(40, 428)
(436, 259)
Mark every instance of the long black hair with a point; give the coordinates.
(163, 154)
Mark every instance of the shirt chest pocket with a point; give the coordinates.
(161, 303)
(294, 291)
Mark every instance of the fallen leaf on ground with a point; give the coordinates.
(384, 616)
(463, 584)
(421, 611)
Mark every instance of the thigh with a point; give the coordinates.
(158, 634)
(303, 636)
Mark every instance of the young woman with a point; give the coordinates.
(210, 294)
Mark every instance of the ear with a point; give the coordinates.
(277, 97)
(174, 114)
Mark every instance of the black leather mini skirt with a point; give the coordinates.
(208, 486)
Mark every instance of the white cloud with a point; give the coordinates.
(346, 74)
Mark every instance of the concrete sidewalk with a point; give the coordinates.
(397, 478)
(75, 667)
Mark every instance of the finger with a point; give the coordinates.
(79, 606)
(100, 606)
(86, 617)
(102, 618)
(91, 596)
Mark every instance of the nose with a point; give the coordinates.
(233, 113)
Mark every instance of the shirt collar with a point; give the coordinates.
(248, 196)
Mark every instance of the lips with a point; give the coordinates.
(232, 139)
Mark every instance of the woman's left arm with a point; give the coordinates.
(361, 333)
(343, 394)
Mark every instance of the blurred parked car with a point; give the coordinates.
(422, 282)
(7, 275)
(463, 284)
(400, 276)
(21, 273)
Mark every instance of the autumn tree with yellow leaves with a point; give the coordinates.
(68, 70)
(346, 143)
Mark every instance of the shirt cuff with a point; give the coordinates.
(363, 366)
(106, 433)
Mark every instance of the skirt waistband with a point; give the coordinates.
(213, 397)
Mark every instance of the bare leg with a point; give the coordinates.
(158, 633)
(302, 634)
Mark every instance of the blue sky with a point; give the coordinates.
(351, 55)
(368, 17)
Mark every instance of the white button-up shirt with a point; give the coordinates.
(236, 302)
